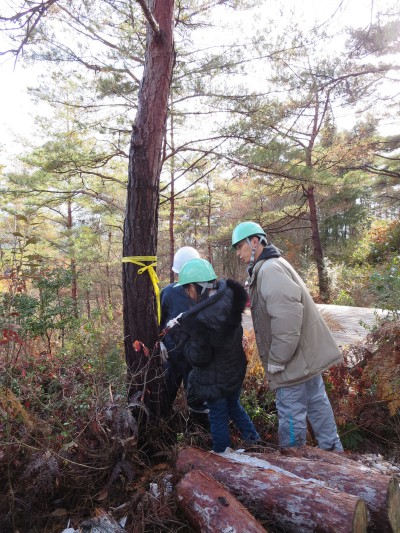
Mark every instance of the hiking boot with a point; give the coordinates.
(226, 451)
(201, 410)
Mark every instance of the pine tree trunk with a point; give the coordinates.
(141, 219)
(172, 202)
(71, 251)
(323, 279)
(276, 495)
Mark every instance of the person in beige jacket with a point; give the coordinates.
(294, 343)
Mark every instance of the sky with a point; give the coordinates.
(17, 111)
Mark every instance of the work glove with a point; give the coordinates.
(174, 321)
(163, 352)
(273, 369)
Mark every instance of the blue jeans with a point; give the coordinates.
(221, 411)
(295, 404)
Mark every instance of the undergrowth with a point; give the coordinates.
(70, 446)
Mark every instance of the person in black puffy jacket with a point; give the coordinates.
(210, 334)
(174, 300)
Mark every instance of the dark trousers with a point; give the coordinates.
(221, 411)
(177, 372)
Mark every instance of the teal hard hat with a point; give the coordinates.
(196, 271)
(244, 230)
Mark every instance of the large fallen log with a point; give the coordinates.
(311, 452)
(278, 496)
(210, 507)
(380, 492)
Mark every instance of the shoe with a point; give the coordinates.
(252, 446)
(200, 409)
(226, 451)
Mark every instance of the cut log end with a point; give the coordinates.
(210, 507)
(360, 519)
(394, 504)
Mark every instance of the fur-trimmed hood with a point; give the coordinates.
(214, 345)
(220, 312)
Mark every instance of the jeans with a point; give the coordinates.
(176, 373)
(295, 404)
(221, 411)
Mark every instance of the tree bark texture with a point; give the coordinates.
(323, 280)
(381, 493)
(141, 218)
(210, 507)
(278, 496)
(172, 200)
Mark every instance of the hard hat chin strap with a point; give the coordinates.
(253, 253)
(206, 285)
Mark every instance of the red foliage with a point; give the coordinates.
(10, 335)
(138, 346)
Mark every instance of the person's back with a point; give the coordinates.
(211, 334)
(216, 322)
(293, 341)
(175, 301)
(278, 293)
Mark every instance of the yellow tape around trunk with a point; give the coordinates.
(138, 260)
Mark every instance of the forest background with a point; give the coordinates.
(275, 114)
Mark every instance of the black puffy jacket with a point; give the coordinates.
(213, 332)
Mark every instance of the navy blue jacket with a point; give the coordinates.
(174, 301)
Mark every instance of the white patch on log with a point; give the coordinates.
(261, 463)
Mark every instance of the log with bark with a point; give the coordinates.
(210, 507)
(280, 497)
(380, 492)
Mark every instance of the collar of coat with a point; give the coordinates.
(221, 310)
(269, 252)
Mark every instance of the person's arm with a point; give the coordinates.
(165, 305)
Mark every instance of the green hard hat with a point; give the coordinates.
(246, 229)
(196, 271)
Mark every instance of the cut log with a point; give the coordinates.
(380, 492)
(311, 452)
(278, 496)
(210, 507)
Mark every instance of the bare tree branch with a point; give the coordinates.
(33, 17)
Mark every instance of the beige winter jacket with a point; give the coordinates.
(289, 328)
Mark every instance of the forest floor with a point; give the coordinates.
(53, 478)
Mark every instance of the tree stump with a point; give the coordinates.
(210, 507)
(279, 496)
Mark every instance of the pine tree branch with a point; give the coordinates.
(149, 17)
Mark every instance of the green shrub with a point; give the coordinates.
(351, 436)
(386, 285)
(379, 242)
(344, 298)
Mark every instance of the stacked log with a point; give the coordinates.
(210, 507)
(381, 493)
(276, 495)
